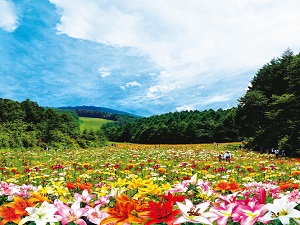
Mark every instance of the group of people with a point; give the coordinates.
(277, 152)
(274, 151)
(227, 156)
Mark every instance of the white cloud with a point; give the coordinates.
(193, 43)
(152, 74)
(189, 40)
(8, 16)
(185, 108)
(158, 91)
(104, 72)
(214, 99)
(133, 84)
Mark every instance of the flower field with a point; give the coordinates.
(148, 184)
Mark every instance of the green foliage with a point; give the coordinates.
(27, 125)
(179, 127)
(98, 112)
(269, 113)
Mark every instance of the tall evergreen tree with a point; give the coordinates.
(268, 114)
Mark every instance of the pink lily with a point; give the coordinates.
(231, 198)
(293, 196)
(66, 214)
(9, 190)
(102, 200)
(95, 215)
(262, 196)
(85, 197)
(223, 212)
(180, 187)
(250, 213)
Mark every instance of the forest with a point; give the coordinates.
(98, 112)
(27, 125)
(184, 127)
(267, 116)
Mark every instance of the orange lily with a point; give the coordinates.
(83, 186)
(20, 204)
(9, 215)
(233, 186)
(222, 186)
(295, 173)
(284, 186)
(126, 210)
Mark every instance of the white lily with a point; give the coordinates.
(282, 209)
(194, 179)
(194, 213)
(42, 215)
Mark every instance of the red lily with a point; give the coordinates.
(174, 198)
(163, 210)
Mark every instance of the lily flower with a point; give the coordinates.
(230, 198)
(163, 210)
(222, 186)
(126, 211)
(194, 179)
(174, 198)
(20, 205)
(95, 215)
(179, 187)
(194, 213)
(85, 197)
(66, 214)
(262, 196)
(250, 213)
(42, 215)
(223, 212)
(10, 190)
(282, 209)
(9, 215)
(103, 200)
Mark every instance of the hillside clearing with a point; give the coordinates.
(92, 123)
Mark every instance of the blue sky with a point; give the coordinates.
(143, 57)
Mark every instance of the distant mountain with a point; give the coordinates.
(93, 111)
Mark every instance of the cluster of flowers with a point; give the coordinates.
(191, 201)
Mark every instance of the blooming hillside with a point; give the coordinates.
(149, 184)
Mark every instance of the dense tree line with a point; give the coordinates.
(26, 124)
(268, 115)
(178, 127)
(99, 112)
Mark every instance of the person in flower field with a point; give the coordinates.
(220, 157)
(276, 153)
(227, 156)
(283, 153)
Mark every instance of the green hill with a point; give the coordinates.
(92, 123)
(94, 110)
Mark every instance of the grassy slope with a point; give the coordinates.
(92, 123)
